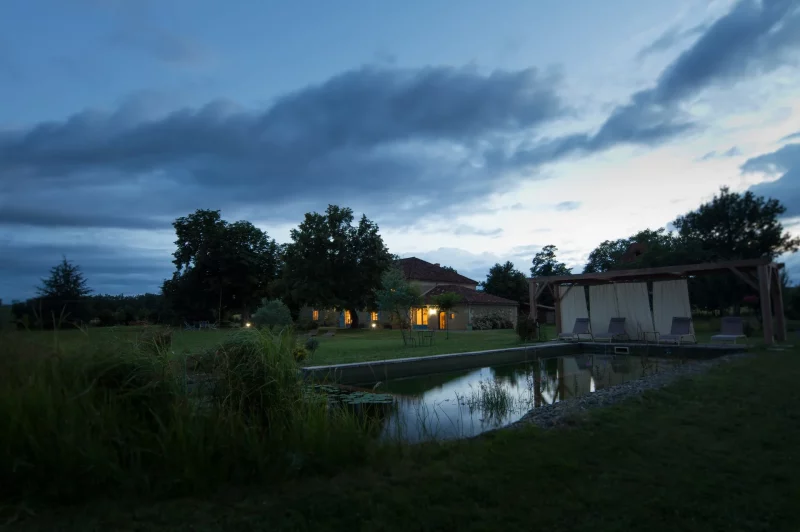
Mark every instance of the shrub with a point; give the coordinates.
(300, 353)
(312, 344)
(527, 329)
(387, 325)
(493, 320)
(272, 313)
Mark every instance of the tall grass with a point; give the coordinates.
(118, 416)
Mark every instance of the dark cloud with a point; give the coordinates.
(47, 217)
(568, 206)
(108, 269)
(753, 38)
(392, 137)
(669, 39)
(784, 163)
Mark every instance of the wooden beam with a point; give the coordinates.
(745, 277)
(532, 297)
(766, 307)
(562, 296)
(644, 273)
(557, 304)
(777, 305)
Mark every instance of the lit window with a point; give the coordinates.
(347, 318)
(374, 316)
(315, 315)
(452, 315)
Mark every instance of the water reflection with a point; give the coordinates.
(466, 403)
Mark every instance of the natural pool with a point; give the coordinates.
(468, 402)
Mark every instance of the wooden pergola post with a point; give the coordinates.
(764, 283)
(777, 305)
(532, 293)
(557, 306)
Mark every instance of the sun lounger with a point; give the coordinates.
(732, 329)
(616, 331)
(329, 334)
(583, 327)
(680, 327)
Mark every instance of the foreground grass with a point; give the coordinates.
(720, 452)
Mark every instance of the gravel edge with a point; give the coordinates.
(555, 415)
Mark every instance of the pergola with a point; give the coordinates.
(760, 274)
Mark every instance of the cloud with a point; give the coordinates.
(160, 44)
(371, 135)
(108, 269)
(568, 205)
(793, 136)
(464, 229)
(753, 38)
(669, 39)
(784, 163)
(732, 152)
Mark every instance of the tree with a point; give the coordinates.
(660, 248)
(272, 313)
(65, 283)
(449, 269)
(61, 296)
(545, 263)
(331, 263)
(447, 302)
(220, 266)
(504, 280)
(737, 226)
(396, 295)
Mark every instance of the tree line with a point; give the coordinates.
(226, 269)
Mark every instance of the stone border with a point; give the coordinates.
(550, 416)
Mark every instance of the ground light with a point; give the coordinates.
(247, 324)
(373, 325)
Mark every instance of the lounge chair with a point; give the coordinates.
(616, 330)
(329, 334)
(732, 329)
(312, 333)
(187, 327)
(680, 327)
(583, 327)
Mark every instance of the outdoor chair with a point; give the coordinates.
(312, 333)
(187, 326)
(680, 327)
(583, 327)
(616, 330)
(408, 338)
(329, 334)
(731, 329)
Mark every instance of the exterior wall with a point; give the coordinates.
(509, 311)
(457, 323)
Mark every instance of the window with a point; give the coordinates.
(347, 318)
(452, 315)
(374, 316)
(420, 316)
(315, 315)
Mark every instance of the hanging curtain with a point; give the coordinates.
(573, 306)
(603, 302)
(633, 304)
(670, 300)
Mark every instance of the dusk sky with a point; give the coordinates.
(472, 132)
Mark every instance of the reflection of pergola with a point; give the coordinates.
(760, 274)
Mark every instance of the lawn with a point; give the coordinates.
(718, 452)
(347, 346)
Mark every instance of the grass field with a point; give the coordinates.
(719, 452)
(346, 346)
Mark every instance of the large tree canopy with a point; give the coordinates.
(332, 263)
(737, 226)
(220, 266)
(504, 280)
(545, 263)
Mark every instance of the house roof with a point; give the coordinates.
(468, 295)
(415, 269)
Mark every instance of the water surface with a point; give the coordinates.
(466, 403)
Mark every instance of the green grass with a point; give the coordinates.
(718, 452)
(347, 346)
